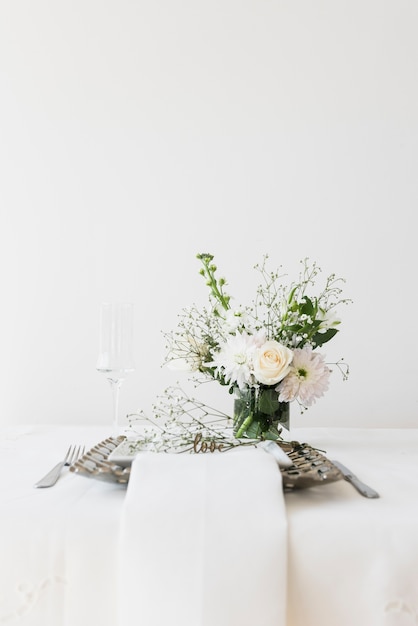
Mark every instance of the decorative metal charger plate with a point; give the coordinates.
(95, 464)
(309, 466)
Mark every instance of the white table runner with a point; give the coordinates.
(203, 541)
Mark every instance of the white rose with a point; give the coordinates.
(271, 362)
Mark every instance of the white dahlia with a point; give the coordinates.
(234, 359)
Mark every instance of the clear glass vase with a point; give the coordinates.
(258, 414)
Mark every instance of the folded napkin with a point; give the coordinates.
(280, 455)
(203, 541)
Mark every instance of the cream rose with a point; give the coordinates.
(271, 362)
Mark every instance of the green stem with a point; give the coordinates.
(216, 288)
(245, 424)
(218, 295)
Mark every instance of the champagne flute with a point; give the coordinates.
(115, 358)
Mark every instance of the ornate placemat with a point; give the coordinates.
(309, 466)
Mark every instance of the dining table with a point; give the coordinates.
(210, 538)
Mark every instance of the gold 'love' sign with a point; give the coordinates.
(205, 446)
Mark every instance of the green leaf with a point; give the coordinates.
(268, 402)
(307, 307)
(320, 338)
(253, 431)
(273, 433)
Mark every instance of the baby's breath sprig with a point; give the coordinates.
(343, 367)
(178, 421)
(291, 316)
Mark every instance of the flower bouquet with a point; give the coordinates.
(265, 352)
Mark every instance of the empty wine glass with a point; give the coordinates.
(115, 358)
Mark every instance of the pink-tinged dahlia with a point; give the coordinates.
(308, 377)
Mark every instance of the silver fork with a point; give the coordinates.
(73, 453)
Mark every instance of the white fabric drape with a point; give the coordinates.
(203, 541)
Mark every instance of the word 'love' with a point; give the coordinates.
(205, 446)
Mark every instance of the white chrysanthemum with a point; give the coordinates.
(308, 377)
(234, 360)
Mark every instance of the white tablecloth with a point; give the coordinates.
(350, 560)
(354, 560)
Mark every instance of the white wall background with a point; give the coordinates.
(135, 134)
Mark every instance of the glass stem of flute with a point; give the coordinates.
(116, 385)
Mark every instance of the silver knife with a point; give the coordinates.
(51, 478)
(361, 487)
